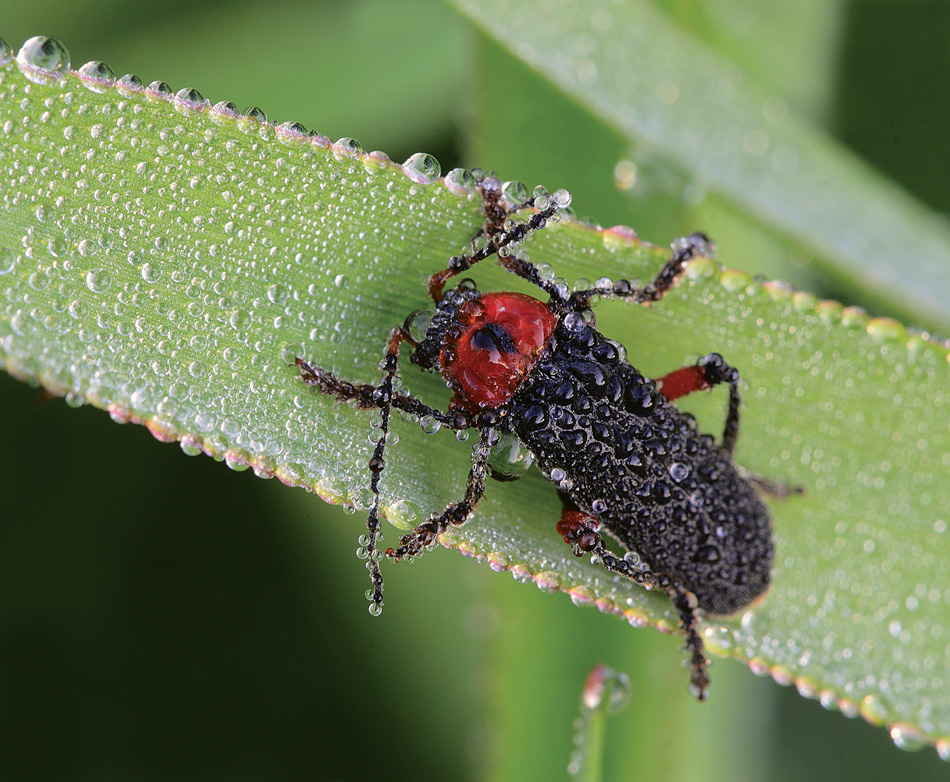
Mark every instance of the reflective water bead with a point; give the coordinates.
(96, 76)
(422, 168)
(43, 60)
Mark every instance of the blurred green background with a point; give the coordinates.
(164, 617)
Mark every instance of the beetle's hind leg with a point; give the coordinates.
(581, 532)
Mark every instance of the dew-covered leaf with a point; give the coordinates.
(166, 260)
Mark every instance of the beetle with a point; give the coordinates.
(625, 460)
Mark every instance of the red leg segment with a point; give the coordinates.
(708, 372)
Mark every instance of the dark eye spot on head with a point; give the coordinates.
(494, 338)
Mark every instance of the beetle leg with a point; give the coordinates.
(685, 603)
(580, 531)
(455, 513)
(383, 398)
(709, 371)
(684, 250)
(776, 490)
(497, 238)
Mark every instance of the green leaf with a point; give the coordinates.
(681, 107)
(166, 261)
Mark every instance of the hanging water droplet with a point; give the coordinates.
(43, 60)
(906, 738)
(508, 459)
(417, 324)
(606, 689)
(429, 424)
(96, 76)
(515, 193)
(460, 181)
(191, 445)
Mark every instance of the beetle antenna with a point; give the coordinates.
(383, 396)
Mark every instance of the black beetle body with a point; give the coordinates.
(624, 458)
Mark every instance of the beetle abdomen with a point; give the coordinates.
(628, 457)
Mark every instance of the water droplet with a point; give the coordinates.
(151, 272)
(548, 581)
(188, 100)
(906, 738)
(460, 181)
(223, 111)
(255, 113)
(239, 320)
(404, 514)
(39, 280)
(128, 85)
(346, 148)
(6, 53)
(582, 596)
(606, 688)
(7, 260)
(98, 280)
(679, 471)
(417, 324)
(515, 193)
(43, 60)
(291, 133)
(422, 168)
(429, 424)
(96, 76)
(158, 89)
(508, 459)
(191, 445)
(874, 709)
(277, 294)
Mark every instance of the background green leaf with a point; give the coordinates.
(677, 103)
(491, 637)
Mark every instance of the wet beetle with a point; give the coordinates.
(625, 460)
